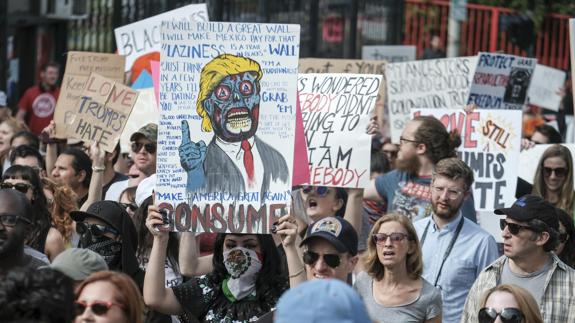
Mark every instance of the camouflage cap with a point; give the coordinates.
(149, 131)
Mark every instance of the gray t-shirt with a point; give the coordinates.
(533, 282)
(425, 307)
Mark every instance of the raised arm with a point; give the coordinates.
(354, 208)
(51, 147)
(287, 229)
(97, 156)
(156, 295)
(191, 264)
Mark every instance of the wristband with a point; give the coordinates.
(98, 169)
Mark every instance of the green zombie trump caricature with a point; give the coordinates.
(235, 160)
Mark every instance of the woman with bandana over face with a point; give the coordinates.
(245, 283)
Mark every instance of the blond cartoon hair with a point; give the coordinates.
(214, 72)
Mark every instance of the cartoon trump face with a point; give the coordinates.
(229, 98)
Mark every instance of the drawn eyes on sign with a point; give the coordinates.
(246, 88)
(223, 92)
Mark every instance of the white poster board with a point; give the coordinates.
(389, 53)
(490, 146)
(227, 122)
(335, 110)
(501, 81)
(432, 84)
(145, 111)
(143, 37)
(530, 158)
(545, 87)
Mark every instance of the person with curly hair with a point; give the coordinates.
(565, 249)
(61, 200)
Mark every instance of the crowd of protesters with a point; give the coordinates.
(81, 238)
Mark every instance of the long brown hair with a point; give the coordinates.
(128, 294)
(566, 196)
(64, 202)
(527, 304)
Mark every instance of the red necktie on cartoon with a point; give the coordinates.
(248, 160)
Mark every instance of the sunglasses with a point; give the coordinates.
(95, 229)
(132, 206)
(20, 187)
(514, 228)
(97, 307)
(320, 191)
(310, 258)
(10, 220)
(507, 315)
(150, 147)
(559, 171)
(396, 237)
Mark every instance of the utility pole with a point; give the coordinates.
(457, 13)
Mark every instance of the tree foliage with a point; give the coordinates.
(536, 9)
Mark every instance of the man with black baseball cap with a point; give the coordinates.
(530, 231)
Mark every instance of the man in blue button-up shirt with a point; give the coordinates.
(455, 249)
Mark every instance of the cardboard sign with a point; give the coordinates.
(491, 142)
(143, 37)
(79, 65)
(356, 66)
(430, 84)
(389, 53)
(227, 124)
(545, 87)
(530, 159)
(145, 111)
(335, 110)
(501, 81)
(102, 112)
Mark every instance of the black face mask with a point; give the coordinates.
(108, 248)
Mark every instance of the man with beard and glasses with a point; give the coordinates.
(235, 160)
(423, 143)
(15, 220)
(530, 234)
(455, 250)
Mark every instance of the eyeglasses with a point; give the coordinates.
(452, 194)
(514, 228)
(559, 171)
(507, 315)
(20, 187)
(401, 140)
(96, 229)
(390, 153)
(310, 258)
(320, 191)
(563, 237)
(149, 147)
(98, 307)
(396, 237)
(10, 220)
(132, 206)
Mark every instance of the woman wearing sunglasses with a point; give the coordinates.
(554, 178)
(566, 245)
(392, 287)
(42, 235)
(508, 304)
(245, 283)
(109, 297)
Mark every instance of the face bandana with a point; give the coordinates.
(243, 265)
(109, 249)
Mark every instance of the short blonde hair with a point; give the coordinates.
(414, 260)
(214, 72)
(527, 304)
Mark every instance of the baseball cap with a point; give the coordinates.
(336, 231)
(145, 189)
(78, 263)
(529, 207)
(2, 99)
(321, 300)
(149, 131)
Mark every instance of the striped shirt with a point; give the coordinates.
(556, 305)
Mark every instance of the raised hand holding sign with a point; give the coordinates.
(192, 156)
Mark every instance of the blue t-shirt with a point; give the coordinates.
(411, 195)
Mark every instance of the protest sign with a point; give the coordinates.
(300, 161)
(491, 142)
(79, 65)
(335, 110)
(155, 66)
(530, 159)
(489, 222)
(356, 66)
(545, 87)
(437, 84)
(143, 37)
(389, 53)
(145, 111)
(101, 112)
(501, 81)
(227, 124)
